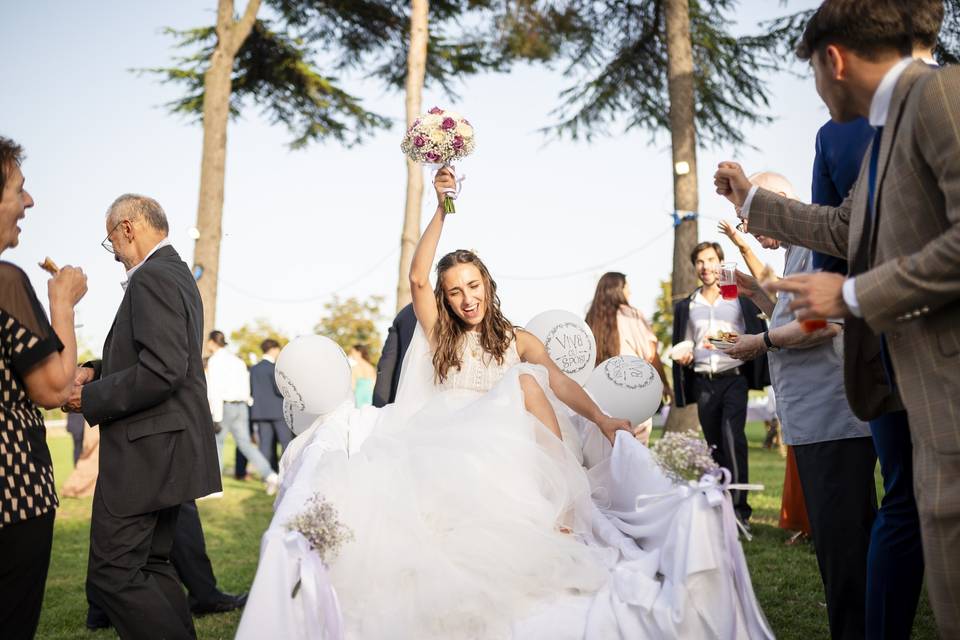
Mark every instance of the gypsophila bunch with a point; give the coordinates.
(439, 138)
(318, 523)
(684, 456)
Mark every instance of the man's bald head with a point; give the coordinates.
(774, 182)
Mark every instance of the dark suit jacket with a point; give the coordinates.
(840, 149)
(267, 399)
(399, 337)
(157, 446)
(757, 372)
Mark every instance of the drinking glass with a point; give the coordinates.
(728, 280)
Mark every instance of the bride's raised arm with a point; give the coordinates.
(570, 393)
(424, 302)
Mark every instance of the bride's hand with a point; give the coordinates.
(610, 426)
(443, 182)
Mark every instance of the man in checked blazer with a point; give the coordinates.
(900, 231)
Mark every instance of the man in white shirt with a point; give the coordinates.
(228, 387)
(718, 383)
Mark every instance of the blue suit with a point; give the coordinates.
(895, 558)
(266, 414)
(840, 149)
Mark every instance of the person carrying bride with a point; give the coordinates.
(472, 515)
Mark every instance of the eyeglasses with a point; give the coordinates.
(107, 244)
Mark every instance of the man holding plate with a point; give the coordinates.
(706, 375)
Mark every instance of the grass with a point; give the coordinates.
(785, 578)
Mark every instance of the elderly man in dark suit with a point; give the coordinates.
(266, 414)
(900, 231)
(157, 447)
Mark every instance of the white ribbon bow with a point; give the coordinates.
(320, 601)
(451, 193)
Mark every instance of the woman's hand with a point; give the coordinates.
(443, 182)
(668, 397)
(730, 231)
(609, 427)
(67, 287)
(749, 285)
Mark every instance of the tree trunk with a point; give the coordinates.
(216, 112)
(416, 70)
(684, 141)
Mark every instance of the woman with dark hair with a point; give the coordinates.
(472, 514)
(38, 361)
(362, 375)
(621, 330)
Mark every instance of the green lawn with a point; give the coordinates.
(785, 578)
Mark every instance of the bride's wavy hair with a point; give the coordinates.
(496, 332)
(602, 315)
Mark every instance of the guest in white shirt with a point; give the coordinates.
(706, 375)
(228, 388)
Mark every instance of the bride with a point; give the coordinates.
(473, 516)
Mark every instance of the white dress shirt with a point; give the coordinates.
(163, 243)
(705, 320)
(227, 381)
(879, 109)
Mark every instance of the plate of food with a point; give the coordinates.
(723, 339)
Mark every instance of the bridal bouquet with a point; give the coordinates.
(318, 523)
(439, 138)
(684, 457)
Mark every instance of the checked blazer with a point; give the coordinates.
(905, 255)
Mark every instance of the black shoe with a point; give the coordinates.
(225, 602)
(97, 621)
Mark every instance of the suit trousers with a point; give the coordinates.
(841, 496)
(722, 409)
(24, 559)
(189, 557)
(130, 577)
(272, 433)
(895, 564)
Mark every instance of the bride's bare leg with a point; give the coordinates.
(537, 403)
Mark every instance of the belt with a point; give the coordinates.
(235, 402)
(729, 373)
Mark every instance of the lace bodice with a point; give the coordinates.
(479, 371)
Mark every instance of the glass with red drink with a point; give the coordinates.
(728, 280)
(813, 324)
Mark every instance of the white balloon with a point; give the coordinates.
(626, 387)
(569, 342)
(297, 420)
(313, 374)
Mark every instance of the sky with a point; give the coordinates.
(549, 217)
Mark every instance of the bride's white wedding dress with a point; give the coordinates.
(472, 520)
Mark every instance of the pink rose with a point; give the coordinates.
(448, 123)
(419, 141)
(436, 111)
(416, 123)
(457, 142)
(433, 156)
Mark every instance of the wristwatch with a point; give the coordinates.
(770, 345)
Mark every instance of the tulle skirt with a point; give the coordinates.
(465, 517)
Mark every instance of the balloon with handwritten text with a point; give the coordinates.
(569, 342)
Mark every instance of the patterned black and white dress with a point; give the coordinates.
(27, 488)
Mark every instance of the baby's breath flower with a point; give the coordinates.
(684, 456)
(318, 523)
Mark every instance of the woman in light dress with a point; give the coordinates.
(621, 330)
(472, 515)
(363, 375)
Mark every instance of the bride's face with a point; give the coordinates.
(465, 293)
